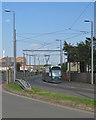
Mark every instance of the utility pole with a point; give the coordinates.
(43, 61)
(60, 52)
(14, 39)
(24, 64)
(92, 52)
(30, 63)
(34, 60)
(14, 46)
(91, 49)
(30, 60)
(69, 68)
(34, 63)
(38, 61)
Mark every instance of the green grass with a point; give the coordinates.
(14, 86)
(55, 96)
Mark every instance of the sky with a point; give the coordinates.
(39, 24)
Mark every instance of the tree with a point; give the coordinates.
(81, 53)
(71, 51)
(47, 65)
(84, 55)
(18, 66)
(64, 67)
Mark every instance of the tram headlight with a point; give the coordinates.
(53, 77)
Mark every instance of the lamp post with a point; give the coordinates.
(14, 38)
(60, 52)
(91, 49)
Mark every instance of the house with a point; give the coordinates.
(77, 67)
(7, 62)
(74, 67)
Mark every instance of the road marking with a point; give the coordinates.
(48, 103)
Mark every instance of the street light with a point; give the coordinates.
(60, 51)
(14, 38)
(91, 49)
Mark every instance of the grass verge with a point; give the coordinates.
(55, 96)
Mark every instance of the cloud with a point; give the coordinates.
(35, 45)
(7, 20)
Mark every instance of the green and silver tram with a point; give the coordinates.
(52, 74)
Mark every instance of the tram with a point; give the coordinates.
(52, 74)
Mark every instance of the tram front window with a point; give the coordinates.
(56, 73)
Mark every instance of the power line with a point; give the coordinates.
(80, 15)
(74, 36)
(30, 38)
(41, 34)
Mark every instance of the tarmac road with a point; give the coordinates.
(70, 88)
(14, 106)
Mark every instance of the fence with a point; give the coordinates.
(9, 75)
(79, 77)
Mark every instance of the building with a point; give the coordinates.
(74, 67)
(31, 67)
(9, 62)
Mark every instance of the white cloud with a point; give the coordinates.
(35, 45)
(7, 20)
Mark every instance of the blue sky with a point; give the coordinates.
(39, 24)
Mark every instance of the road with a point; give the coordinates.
(14, 106)
(69, 88)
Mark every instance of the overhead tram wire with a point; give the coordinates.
(42, 34)
(75, 36)
(30, 38)
(65, 29)
(46, 44)
(26, 38)
(42, 44)
(80, 15)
